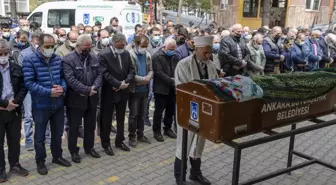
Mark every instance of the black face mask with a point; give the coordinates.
(85, 53)
(180, 41)
(238, 35)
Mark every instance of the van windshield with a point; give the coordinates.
(62, 18)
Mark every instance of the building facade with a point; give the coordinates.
(284, 13)
(22, 6)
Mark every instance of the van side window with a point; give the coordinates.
(63, 18)
(36, 17)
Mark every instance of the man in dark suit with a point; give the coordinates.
(82, 74)
(118, 72)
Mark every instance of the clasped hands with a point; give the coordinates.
(123, 85)
(11, 106)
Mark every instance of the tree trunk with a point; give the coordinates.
(266, 12)
(179, 11)
(13, 9)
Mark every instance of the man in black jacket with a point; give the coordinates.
(12, 94)
(164, 64)
(234, 54)
(82, 74)
(118, 71)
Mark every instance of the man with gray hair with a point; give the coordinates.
(314, 50)
(83, 77)
(164, 64)
(11, 97)
(118, 71)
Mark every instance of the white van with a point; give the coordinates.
(65, 14)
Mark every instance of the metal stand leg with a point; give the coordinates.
(236, 166)
(291, 147)
(184, 154)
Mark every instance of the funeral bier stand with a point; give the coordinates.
(202, 111)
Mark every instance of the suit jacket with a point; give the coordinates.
(113, 75)
(19, 90)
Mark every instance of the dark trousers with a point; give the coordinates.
(106, 114)
(137, 104)
(10, 125)
(41, 119)
(75, 116)
(163, 103)
(195, 169)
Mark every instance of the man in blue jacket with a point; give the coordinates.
(43, 77)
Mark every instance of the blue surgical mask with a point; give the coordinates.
(216, 46)
(170, 53)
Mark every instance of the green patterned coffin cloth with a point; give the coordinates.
(297, 86)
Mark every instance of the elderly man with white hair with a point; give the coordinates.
(313, 49)
(196, 66)
(164, 64)
(83, 77)
(225, 33)
(234, 53)
(118, 71)
(256, 64)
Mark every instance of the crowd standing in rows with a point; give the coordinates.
(83, 79)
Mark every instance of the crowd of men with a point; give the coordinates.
(91, 75)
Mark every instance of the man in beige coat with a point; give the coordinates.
(195, 67)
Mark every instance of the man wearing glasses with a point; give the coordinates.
(43, 77)
(82, 74)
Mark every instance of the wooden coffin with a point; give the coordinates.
(200, 110)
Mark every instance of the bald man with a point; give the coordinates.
(233, 53)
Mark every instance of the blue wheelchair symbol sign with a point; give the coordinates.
(194, 111)
(86, 18)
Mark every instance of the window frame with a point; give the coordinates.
(225, 4)
(251, 8)
(34, 15)
(72, 17)
(311, 6)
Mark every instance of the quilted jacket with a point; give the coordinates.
(39, 78)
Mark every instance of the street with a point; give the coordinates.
(153, 164)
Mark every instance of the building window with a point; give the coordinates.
(63, 18)
(313, 4)
(223, 4)
(278, 3)
(250, 8)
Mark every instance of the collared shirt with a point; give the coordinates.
(239, 52)
(117, 55)
(7, 91)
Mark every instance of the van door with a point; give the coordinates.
(65, 18)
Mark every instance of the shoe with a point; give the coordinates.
(170, 133)
(61, 162)
(148, 122)
(178, 182)
(29, 146)
(93, 153)
(109, 151)
(3, 175)
(113, 130)
(122, 146)
(76, 158)
(132, 142)
(144, 139)
(158, 137)
(17, 169)
(200, 179)
(42, 169)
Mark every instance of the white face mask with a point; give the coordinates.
(4, 60)
(6, 34)
(119, 51)
(36, 46)
(73, 45)
(48, 52)
(81, 31)
(62, 39)
(25, 28)
(142, 50)
(105, 41)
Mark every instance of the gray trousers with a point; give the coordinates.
(137, 104)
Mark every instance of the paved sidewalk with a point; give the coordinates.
(153, 164)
